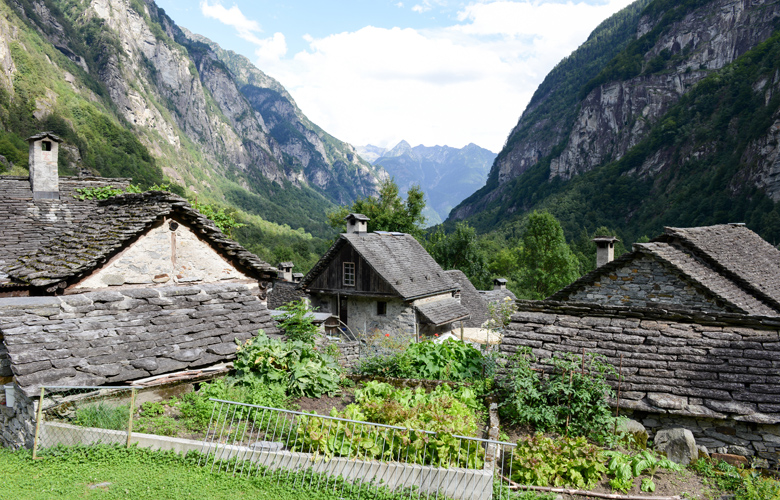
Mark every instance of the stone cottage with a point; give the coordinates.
(107, 292)
(692, 322)
(383, 282)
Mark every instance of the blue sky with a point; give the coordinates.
(432, 72)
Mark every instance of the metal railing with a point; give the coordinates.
(353, 457)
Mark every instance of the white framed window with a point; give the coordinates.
(349, 274)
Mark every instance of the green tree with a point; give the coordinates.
(388, 211)
(298, 322)
(548, 262)
(460, 249)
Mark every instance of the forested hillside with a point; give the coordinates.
(679, 127)
(135, 96)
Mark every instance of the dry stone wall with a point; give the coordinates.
(645, 281)
(113, 336)
(722, 370)
(17, 422)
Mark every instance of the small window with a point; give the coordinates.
(381, 308)
(46, 145)
(349, 274)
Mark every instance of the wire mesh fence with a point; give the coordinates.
(358, 459)
(69, 416)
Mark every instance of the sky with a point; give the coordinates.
(431, 72)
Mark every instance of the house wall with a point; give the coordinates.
(646, 282)
(17, 423)
(398, 322)
(164, 256)
(722, 371)
(366, 280)
(5, 361)
(113, 336)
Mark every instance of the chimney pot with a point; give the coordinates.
(357, 223)
(605, 249)
(44, 179)
(499, 284)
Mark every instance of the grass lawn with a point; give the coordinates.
(114, 472)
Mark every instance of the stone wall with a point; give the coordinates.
(363, 319)
(110, 337)
(164, 255)
(17, 423)
(5, 361)
(722, 369)
(646, 282)
(349, 354)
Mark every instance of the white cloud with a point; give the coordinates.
(468, 82)
(233, 16)
(271, 49)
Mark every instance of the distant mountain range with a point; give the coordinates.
(446, 175)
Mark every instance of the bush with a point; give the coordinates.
(573, 398)
(542, 461)
(297, 322)
(297, 366)
(449, 360)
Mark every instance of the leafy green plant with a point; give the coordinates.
(298, 322)
(572, 398)
(745, 484)
(297, 366)
(223, 217)
(97, 193)
(103, 416)
(449, 360)
(625, 468)
(152, 409)
(543, 461)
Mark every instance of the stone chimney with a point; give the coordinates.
(285, 270)
(297, 277)
(44, 179)
(605, 249)
(499, 284)
(357, 223)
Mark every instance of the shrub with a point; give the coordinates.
(543, 461)
(297, 366)
(449, 360)
(297, 322)
(573, 398)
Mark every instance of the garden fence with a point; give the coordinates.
(70, 416)
(352, 457)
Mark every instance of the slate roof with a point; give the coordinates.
(283, 293)
(443, 311)
(398, 258)
(470, 298)
(735, 252)
(497, 295)
(27, 224)
(728, 261)
(77, 249)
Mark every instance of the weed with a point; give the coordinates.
(543, 461)
(103, 416)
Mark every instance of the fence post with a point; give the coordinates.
(38, 424)
(130, 419)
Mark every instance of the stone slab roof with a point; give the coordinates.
(112, 337)
(726, 261)
(443, 311)
(398, 258)
(283, 293)
(27, 224)
(77, 249)
(497, 295)
(736, 252)
(720, 286)
(471, 299)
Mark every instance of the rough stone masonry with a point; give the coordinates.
(716, 374)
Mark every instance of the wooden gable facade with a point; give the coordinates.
(367, 282)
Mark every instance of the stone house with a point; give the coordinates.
(691, 320)
(111, 291)
(385, 283)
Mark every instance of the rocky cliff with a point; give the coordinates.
(627, 121)
(216, 125)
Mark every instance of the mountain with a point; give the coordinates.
(446, 175)
(667, 115)
(135, 95)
